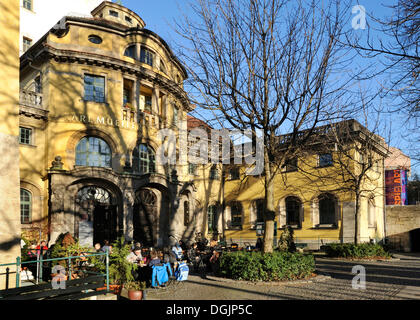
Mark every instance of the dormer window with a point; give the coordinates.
(129, 20)
(113, 13)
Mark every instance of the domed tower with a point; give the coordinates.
(94, 93)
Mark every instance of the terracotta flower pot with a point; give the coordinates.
(114, 288)
(135, 295)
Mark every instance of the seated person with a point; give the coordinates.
(155, 258)
(177, 250)
(135, 256)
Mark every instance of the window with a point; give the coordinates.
(26, 44)
(260, 210)
(128, 91)
(129, 20)
(290, 165)
(327, 208)
(27, 4)
(186, 213)
(214, 173)
(38, 84)
(212, 218)
(94, 88)
(371, 213)
(113, 13)
(293, 207)
(25, 206)
(234, 173)
(144, 159)
(146, 56)
(192, 169)
(130, 51)
(175, 118)
(95, 39)
(25, 135)
(162, 67)
(93, 152)
(236, 214)
(325, 160)
(145, 103)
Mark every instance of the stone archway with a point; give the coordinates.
(151, 216)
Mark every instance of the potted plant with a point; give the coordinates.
(120, 269)
(135, 289)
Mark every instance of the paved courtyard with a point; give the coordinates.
(396, 279)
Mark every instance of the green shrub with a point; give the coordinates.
(350, 250)
(257, 266)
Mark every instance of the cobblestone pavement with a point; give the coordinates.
(396, 279)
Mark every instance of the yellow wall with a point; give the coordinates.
(9, 130)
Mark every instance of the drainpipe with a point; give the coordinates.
(384, 196)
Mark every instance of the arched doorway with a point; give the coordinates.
(145, 217)
(97, 215)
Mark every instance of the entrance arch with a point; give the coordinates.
(145, 218)
(97, 211)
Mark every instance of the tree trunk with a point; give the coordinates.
(356, 219)
(269, 212)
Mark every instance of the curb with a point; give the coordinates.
(318, 278)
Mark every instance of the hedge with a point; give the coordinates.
(257, 266)
(350, 250)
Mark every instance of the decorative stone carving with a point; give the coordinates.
(57, 164)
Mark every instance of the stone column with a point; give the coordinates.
(128, 203)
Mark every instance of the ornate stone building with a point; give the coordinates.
(94, 94)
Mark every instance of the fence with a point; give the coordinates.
(40, 262)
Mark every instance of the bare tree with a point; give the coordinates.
(351, 162)
(265, 65)
(393, 44)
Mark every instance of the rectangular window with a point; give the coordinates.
(325, 160)
(212, 218)
(128, 92)
(234, 173)
(192, 169)
(145, 103)
(236, 215)
(214, 173)
(27, 4)
(260, 210)
(38, 85)
(25, 135)
(113, 13)
(94, 88)
(146, 56)
(27, 43)
(290, 165)
(175, 118)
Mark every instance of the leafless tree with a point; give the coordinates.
(393, 44)
(271, 66)
(355, 165)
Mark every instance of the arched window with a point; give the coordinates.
(146, 56)
(25, 206)
(144, 159)
(293, 207)
(93, 152)
(130, 51)
(327, 209)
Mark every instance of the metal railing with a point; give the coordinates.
(40, 261)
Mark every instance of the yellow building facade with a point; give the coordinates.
(97, 94)
(10, 228)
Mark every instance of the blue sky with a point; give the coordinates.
(159, 16)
